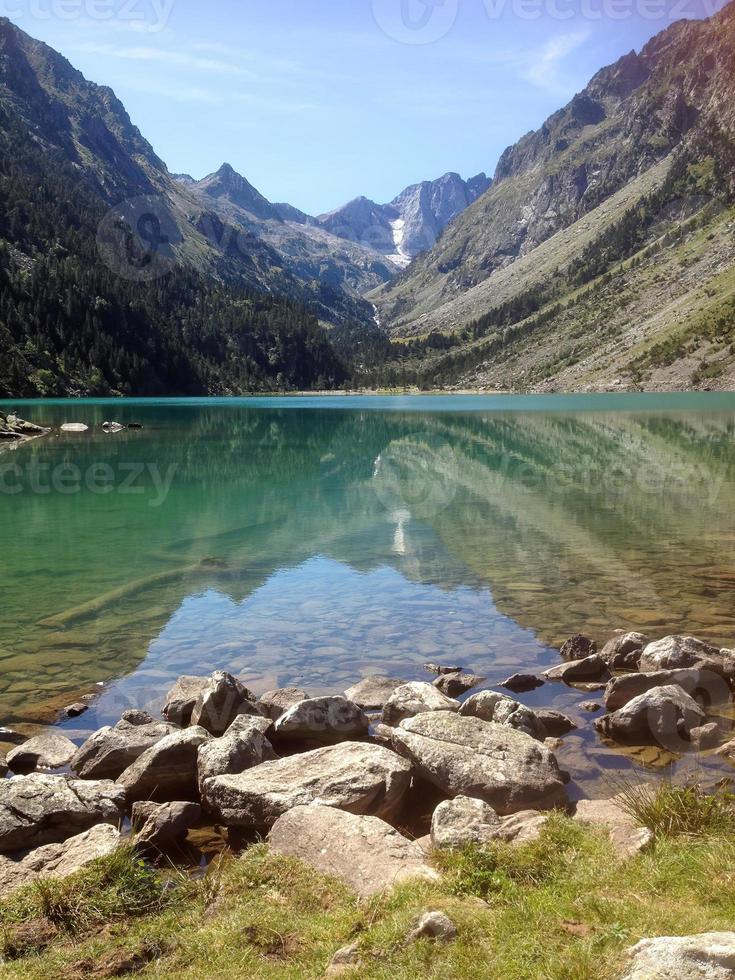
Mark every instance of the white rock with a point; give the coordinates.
(709, 956)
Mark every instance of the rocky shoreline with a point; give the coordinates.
(15, 431)
(278, 766)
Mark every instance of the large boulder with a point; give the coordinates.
(326, 720)
(463, 821)
(168, 770)
(51, 750)
(232, 753)
(668, 714)
(623, 652)
(181, 699)
(58, 860)
(366, 853)
(709, 956)
(41, 809)
(466, 756)
(677, 652)
(360, 778)
(413, 699)
(276, 702)
(371, 693)
(626, 835)
(108, 752)
(457, 684)
(221, 700)
(489, 706)
(166, 827)
(705, 685)
(591, 669)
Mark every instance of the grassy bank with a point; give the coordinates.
(560, 908)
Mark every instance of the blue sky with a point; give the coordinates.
(318, 101)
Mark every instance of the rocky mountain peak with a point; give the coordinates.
(229, 184)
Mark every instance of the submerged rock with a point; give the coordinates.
(665, 713)
(413, 699)
(360, 778)
(465, 756)
(168, 770)
(48, 751)
(371, 693)
(522, 683)
(57, 860)
(328, 720)
(364, 852)
(40, 809)
(708, 956)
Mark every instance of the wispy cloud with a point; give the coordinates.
(547, 68)
(163, 56)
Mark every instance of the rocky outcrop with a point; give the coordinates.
(51, 750)
(168, 770)
(704, 684)
(371, 693)
(679, 652)
(108, 752)
(627, 837)
(220, 701)
(280, 700)
(40, 809)
(57, 860)
(708, 956)
(413, 699)
(465, 756)
(664, 713)
(364, 852)
(181, 699)
(463, 821)
(362, 779)
(326, 720)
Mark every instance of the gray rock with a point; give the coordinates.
(678, 652)
(371, 693)
(244, 724)
(522, 828)
(328, 720)
(166, 827)
(413, 699)
(624, 652)
(220, 701)
(463, 821)
(57, 860)
(433, 925)
(628, 838)
(455, 685)
(578, 647)
(522, 683)
(75, 710)
(489, 706)
(277, 702)
(141, 811)
(233, 753)
(41, 809)
(181, 699)
(344, 960)
(590, 706)
(136, 716)
(708, 956)
(706, 736)
(168, 770)
(465, 756)
(74, 427)
(366, 853)
(49, 751)
(108, 752)
(710, 685)
(592, 668)
(666, 713)
(555, 723)
(360, 778)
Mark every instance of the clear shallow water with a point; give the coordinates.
(314, 540)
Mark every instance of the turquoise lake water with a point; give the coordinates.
(313, 540)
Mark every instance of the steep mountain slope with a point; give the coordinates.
(172, 314)
(412, 222)
(638, 163)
